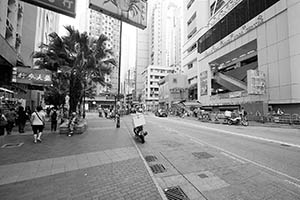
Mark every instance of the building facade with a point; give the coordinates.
(11, 22)
(151, 76)
(172, 89)
(248, 56)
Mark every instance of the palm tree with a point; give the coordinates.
(81, 60)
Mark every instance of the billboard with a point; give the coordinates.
(65, 7)
(32, 76)
(133, 12)
(203, 83)
(256, 82)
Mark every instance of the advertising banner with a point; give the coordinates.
(32, 76)
(133, 12)
(65, 7)
(203, 83)
(256, 82)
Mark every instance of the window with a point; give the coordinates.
(190, 4)
(191, 19)
(192, 33)
(241, 14)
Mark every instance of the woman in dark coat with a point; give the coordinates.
(22, 118)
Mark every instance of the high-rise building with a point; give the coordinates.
(245, 53)
(160, 43)
(99, 23)
(11, 22)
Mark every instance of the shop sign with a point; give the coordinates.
(235, 35)
(129, 11)
(65, 7)
(256, 82)
(203, 83)
(32, 76)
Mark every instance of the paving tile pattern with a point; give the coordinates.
(123, 180)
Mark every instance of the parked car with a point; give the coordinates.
(161, 113)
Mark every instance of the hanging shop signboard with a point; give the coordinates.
(133, 12)
(65, 7)
(256, 82)
(203, 83)
(32, 76)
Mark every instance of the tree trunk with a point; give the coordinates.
(75, 92)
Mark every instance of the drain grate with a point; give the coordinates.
(158, 168)
(150, 158)
(12, 145)
(203, 176)
(202, 155)
(175, 193)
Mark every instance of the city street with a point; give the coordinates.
(200, 160)
(241, 162)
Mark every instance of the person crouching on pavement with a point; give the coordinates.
(37, 123)
(73, 123)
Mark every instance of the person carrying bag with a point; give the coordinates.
(38, 124)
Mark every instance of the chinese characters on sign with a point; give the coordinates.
(256, 82)
(203, 83)
(32, 76)
(65, 7)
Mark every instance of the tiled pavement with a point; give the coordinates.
(102, 163)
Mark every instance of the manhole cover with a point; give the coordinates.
(158, 168)
(202, 155)
(175, 193)
(150, 158)
(203, 176)
(12, 145)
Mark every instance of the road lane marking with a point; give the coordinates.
(241, 135)
(292, 183)
(232, 157)
(247, 160)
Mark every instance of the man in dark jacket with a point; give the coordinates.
(22, 118)
(11, 117)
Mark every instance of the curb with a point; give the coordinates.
(160, 191)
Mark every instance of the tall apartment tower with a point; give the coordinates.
(160, 43)
(195, 19)
(100, 23)
(39, 24)
(11, 22)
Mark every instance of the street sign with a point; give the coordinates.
(133, 12)
(65, 7)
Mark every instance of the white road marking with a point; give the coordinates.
(247, 160)
(232, 157)
(242, 135)
(292, 183)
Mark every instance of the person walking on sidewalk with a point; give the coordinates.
(73, 123)
(11, 117)
(3, 123)
(37, 123)
(53, 116)
(22, 118)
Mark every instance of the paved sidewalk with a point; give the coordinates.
(102, 163)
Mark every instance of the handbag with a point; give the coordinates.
(40, 118)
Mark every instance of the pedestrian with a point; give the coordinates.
(22, 118)
(11, 117)
(73, 123)
(3, 123)
(53, 116)
(28, 111)
(38, 124)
